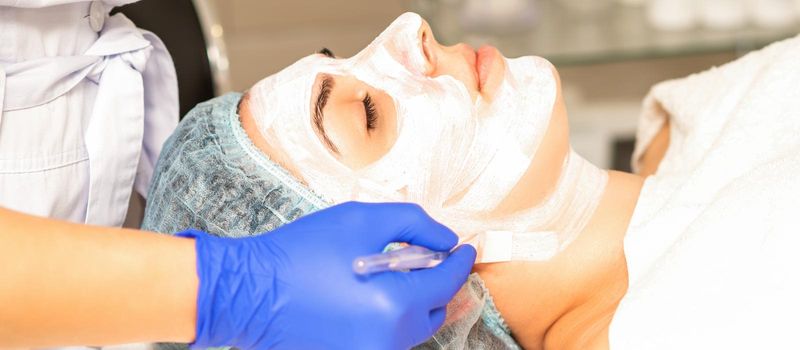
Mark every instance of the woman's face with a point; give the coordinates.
(360, 131)
(360, 120)
(410, 119)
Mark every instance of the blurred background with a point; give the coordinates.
(608, 52)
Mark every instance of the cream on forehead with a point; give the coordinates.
(456, 158)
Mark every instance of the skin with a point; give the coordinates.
(97, 285)
(565, 303)
(652, 156)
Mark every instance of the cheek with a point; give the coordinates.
(357, 147)
(459, 70)
(344, 126)
(413, 110)
(386, 134)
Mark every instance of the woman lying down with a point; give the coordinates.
(697, 251)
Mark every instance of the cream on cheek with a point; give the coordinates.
(541, 177)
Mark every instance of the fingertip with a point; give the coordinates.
(466, 252)
(445, 238)
(441, 239)
(460, 263)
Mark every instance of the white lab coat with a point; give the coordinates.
(87, 102)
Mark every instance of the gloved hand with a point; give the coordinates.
(294, 288)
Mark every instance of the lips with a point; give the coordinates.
(486, 58)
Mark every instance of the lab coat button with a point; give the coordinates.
(97, 15)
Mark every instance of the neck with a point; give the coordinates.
(599, 275)
(569, 300)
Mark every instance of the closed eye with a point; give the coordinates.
(370, 111)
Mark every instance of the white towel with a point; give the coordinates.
(713, 248)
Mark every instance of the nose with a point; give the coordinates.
(457, 61)
(429, 47)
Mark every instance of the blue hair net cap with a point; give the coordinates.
(211, 177)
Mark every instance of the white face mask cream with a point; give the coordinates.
(456, 158)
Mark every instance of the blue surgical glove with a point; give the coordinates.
(294, 288)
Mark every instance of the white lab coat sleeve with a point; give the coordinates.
(161, 111)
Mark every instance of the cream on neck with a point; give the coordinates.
(568, 301)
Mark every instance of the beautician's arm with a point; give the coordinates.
(64, 283)
(71, 284)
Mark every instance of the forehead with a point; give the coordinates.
(305, 68)
(288, 91)
(395, 43)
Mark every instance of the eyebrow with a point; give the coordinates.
(325, 88)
